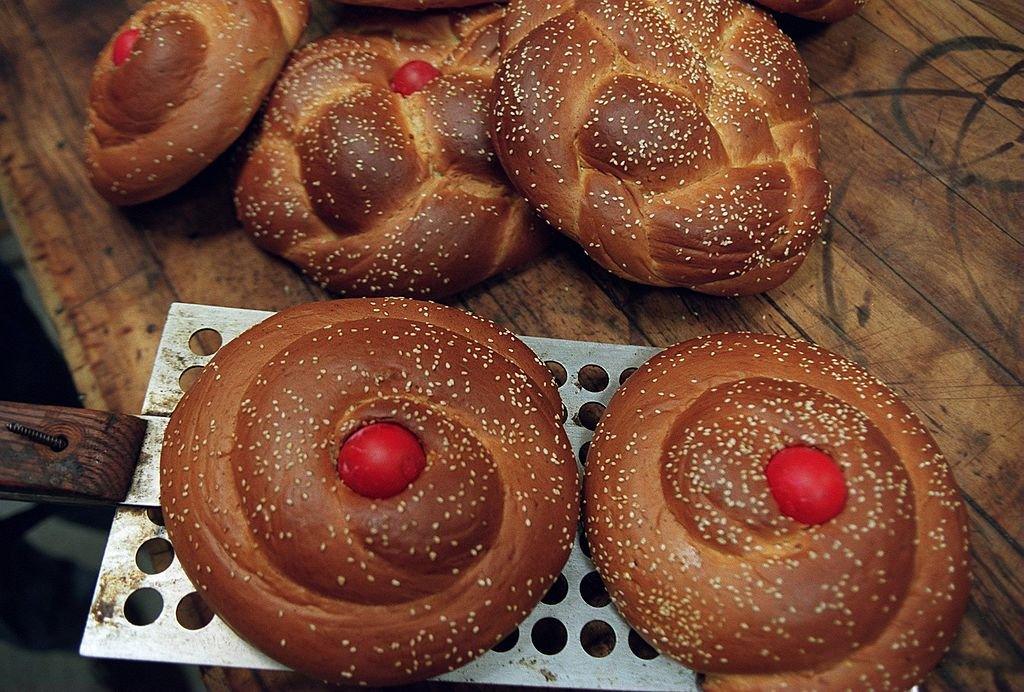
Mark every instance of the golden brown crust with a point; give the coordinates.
(345, 588)
(816, 10)
(196, 76)
(372, 193)
(673, 139)
(698, 558)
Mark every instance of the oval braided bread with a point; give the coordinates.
(372, 193)
(673, 139)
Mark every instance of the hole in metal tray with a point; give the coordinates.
(557, 371)
(189, 377)
(556, 594)
(640, 648)
(593, 378)
(205, 342)
(549, 636)
(154, 556)
(156, 515)
(143, 606)
(624, 375)
(597, 638)
(590, 414)
(593, 591)
(508, 643)
(192, 612)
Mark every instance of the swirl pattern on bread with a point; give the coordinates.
(339, 586)
(699, 558)
(195, 77)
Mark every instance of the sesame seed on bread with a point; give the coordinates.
(700, 560)
(196, 76)
(331, 583)
(674, 140)
(373, 193)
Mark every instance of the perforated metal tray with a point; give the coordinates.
(599, 651)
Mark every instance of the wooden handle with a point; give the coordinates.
(51, 453)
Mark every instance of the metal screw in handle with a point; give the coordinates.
(57, 443)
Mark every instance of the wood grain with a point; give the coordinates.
(95, 464)
(920, 277)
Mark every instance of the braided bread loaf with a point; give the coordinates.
(370, 192)
(816, 10)
(329, 576)
(177, 85)
(688, 518)
(673, 139)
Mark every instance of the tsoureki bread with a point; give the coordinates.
(371, 491)
(373, 172)
(768, 513)
(816, 10)
(673, 139)
(177, 84)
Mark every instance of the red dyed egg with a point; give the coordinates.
(413, 76)
(380, 460)
(807, 484)
(123, 45)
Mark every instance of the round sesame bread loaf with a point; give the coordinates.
(673, 139)
(816, 10)
(335, 584)
(699, 557)
(370, 192)
(177, 84)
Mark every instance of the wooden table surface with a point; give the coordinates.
(919, 277)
